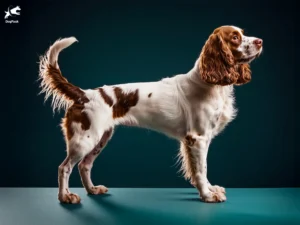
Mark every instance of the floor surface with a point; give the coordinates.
(143, 206)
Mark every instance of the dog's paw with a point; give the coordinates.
(69, 198)
(216, 188)
(214, 197)
(98, 190)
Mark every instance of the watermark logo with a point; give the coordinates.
(11, 13)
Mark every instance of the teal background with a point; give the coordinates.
(134, 41)
(148, 206)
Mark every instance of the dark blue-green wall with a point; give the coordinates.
(134, 42)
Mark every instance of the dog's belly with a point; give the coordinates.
(175, 129)
(171, 123)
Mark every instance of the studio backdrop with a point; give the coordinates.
(123, 42)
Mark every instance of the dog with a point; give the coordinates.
(12, 12)
(192, 108)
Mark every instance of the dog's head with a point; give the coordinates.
(226, 55)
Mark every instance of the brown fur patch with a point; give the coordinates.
(106, 97)
(75, 114)
(150, 94)
(189, 140)
(104, 139)
(124, 102)
(96, 151)
(188, 167)
(63, 87)
(245, 74)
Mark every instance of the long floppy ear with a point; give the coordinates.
(244, 74)
(217, 64)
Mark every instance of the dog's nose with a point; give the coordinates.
(258, 42)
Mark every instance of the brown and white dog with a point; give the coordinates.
(191, 108)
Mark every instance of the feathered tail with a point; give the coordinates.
(63, 93)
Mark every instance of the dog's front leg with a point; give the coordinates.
(213, 188)
(194, 149)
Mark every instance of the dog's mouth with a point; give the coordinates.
(248, 59)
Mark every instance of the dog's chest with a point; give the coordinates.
(214, 113)
(226, 112)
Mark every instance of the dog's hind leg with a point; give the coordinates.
(86, 164)
(81, 138)
(64, 172)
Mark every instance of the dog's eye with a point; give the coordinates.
(235, 37)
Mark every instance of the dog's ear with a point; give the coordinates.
(216, 62)
(244, 72)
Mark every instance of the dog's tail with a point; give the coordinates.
(63, 93)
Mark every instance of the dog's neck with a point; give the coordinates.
(194, 76)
